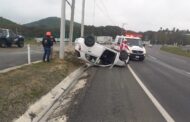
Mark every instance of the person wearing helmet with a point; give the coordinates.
(124, 46)
(47, 44)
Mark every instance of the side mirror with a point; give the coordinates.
(143, 45)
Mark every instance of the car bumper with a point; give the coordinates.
(137, 56)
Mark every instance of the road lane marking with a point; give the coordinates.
(152, 57)
(164, 113)
(180, 71)
(188, 73)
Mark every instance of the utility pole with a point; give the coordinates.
(82, 20)
(62, 29)
(72, 22)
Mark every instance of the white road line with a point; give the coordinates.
(188, 73)
(164, 113)
(152, 57)
(181, 71)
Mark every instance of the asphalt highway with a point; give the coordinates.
(14, 56)
(167, 77)
(114, 95)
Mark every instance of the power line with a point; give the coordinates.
(68, 3)
(104, 11)
(107, 12)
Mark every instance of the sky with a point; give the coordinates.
(137, 15)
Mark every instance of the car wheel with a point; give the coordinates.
(89, 41)
(21, 44)
(3, 44)
(123, 56)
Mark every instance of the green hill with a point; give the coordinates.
(38, 28)
(48, 23)
(5, 23)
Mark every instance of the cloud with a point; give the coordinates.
(139, 15)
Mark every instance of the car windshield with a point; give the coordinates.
(3, 32)
(134, 42)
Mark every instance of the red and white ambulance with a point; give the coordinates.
(133, 45)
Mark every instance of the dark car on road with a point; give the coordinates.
(8, 38)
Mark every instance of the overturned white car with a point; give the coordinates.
(90, 51)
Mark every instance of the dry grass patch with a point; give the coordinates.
(20, 88)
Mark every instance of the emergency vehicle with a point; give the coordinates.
(135, 45)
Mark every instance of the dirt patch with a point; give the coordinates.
(20, 88)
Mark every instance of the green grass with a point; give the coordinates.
(31, 41)
(176, 50)
(22, 87)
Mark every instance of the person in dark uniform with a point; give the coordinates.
(47, 44)
(54, 42)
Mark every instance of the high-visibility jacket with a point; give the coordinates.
(123, 46)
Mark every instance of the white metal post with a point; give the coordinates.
(72, 22)
(29, 57)
(62, 29)
(82, 19)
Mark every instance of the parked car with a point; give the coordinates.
(90, 51)
(8, 38)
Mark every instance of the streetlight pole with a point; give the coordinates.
(72, 22)
(62, 29)
(82, 20)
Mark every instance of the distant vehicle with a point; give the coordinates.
(91, 52)
(150, 45)
(8, 38)
(135, 45)
(104, 39)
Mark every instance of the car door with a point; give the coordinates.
(13, 37)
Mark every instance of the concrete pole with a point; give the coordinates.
(72, 22)
(62, 29)
(29, 54)
(82, 21)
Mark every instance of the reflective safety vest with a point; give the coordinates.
(123, 46)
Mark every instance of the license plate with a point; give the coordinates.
(137, 57)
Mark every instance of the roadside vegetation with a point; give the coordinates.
(21, 88)
(176, 50)
(31, 41)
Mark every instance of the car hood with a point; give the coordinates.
(136, 48)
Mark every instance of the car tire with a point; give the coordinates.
(123, 56)
(3, 44)
(89, 41)
(20, 44)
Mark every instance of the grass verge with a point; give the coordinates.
(31, 41)
(176, 50)
(20, 88)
